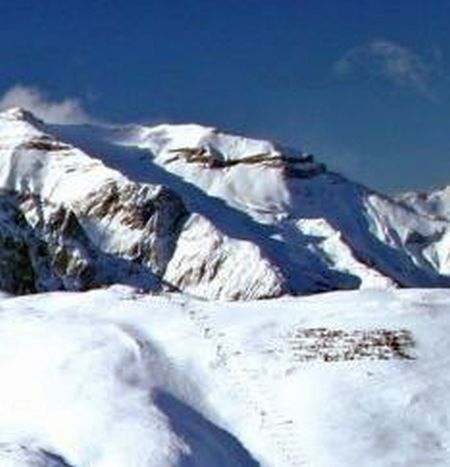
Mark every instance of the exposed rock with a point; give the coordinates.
(337, 345)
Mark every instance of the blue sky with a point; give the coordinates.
(362, 84)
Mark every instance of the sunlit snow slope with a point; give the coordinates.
(112, 378)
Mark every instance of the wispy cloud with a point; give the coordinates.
(392, 61)
(69, 110)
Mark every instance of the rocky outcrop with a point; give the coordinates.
(17, 274)
(208, 264)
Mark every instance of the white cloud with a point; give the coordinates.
(390, 60)
(69, 110)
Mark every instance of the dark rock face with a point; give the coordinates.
(19, 250)
(54, 252)
(294, 167)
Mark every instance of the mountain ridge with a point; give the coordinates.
(216, 215)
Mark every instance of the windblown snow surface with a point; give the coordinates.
(115, 378)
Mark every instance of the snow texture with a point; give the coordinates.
(121, 379)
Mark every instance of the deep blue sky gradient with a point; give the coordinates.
(259, 67)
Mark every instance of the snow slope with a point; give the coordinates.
(121, 379)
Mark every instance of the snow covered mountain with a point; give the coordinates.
(137, 374)
(190, 208)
